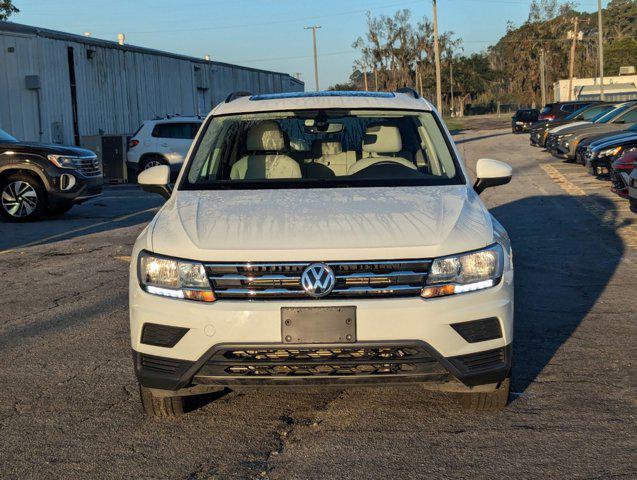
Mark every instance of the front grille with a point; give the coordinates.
(321, 361)
(88, 166)
(353, 279)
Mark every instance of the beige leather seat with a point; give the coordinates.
(380, 143)
(331, 154)
(264, 141)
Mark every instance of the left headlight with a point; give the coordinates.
(465, 272)
(610, 152)
(62, 161)
(174, 278)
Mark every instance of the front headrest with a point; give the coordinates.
(265, 137)
(382, 139)
(326, 147)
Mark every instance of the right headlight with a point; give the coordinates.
(466, 272)
(171, 277)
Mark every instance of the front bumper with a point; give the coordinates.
(291, 366)
(399, 322)
(85, 189)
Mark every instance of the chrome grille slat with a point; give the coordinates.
(283, 280)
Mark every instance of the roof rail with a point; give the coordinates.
(409, 91)
(235, 95)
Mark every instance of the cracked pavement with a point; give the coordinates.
(69, 406)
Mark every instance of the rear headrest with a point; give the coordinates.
(326, 147)
(382, 139)
(265, 137)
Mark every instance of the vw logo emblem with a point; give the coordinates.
(318, 280)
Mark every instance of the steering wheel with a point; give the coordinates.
(368, 162)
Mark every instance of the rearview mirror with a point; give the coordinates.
(491, 173)
(156, 180)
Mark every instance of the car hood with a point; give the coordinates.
(612, 137)
(560, 128)
(322, 224)
(599, 129)
(47, 149)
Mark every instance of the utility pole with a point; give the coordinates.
(375, 78)
(313, 28)
(543, 76)
(571, 66)
(365, 77)
(437, 55)
(600, 49)
(451, 82)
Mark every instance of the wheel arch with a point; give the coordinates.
(29, 169)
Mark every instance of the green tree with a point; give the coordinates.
(6, 9)
(620, 53)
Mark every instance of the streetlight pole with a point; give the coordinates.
(600, 49)
(313, 28)
(437, 55)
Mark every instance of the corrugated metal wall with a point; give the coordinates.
(117, 88)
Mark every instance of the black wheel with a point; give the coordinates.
(486, 401)
(633, 204)
(22, 198)
(150, 162)
(59, 210)
(160, 406)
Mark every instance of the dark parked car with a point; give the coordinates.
(557, 110)
(36, 179)
(539, 130)
(620, 171)
(603, 153)
(523, 119)
(594, 140)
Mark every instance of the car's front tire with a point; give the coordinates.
(486, 401)
(22, 198)
(160, 406)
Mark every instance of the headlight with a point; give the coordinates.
(610, 152)
(62, 161)
(174, 278)
(465, 273)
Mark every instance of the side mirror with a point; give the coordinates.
(491, 173)
(156, 180)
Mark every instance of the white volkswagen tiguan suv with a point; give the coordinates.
(322, 238)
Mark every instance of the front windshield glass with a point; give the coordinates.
(321, 148)
(6, 138)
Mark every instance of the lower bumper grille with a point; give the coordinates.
(321, 361)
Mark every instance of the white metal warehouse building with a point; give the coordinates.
(60, 88)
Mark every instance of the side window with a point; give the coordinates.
(628, 117)
(568, 108)
(176, 130)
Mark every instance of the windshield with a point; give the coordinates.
(320, 148)
(612, 114)
(6, 138)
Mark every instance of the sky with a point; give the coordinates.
(269, 34)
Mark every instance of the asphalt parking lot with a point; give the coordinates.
(69, 406)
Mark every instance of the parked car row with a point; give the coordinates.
(601, 136)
